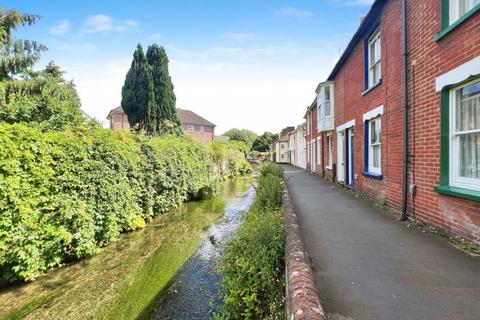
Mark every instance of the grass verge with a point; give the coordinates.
(253, 283)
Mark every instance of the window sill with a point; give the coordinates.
(372, 87)
(372, 175)
(328, 167)
(458, 192)
(439, 36)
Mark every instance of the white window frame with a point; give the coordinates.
(330, 151)
(190, 128)
(455, 180)
(325, 122)
(202, 129)
(378, 124)
(319, 151)
(376, 36)
(454, 9)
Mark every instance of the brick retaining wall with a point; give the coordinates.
(302, 301)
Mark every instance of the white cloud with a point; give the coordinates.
(230, 85)
(61, 28)
(155, 36)
(293, 12)
(101, 23)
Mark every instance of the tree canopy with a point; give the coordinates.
(147, 94)
(41, 98)
(263, 142)
(17, 55)
(244, 135)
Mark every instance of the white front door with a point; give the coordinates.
(340, 156)
(312, 156)
(350, 158)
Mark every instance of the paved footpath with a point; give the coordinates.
(368, 265)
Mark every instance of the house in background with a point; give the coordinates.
(118, 119)
(298, 147)
(194, 125)
(280, 147)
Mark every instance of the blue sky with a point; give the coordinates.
(247, 64)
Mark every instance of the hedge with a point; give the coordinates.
(64, 195)
(253, 270)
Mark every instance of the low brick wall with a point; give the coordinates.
(301, 300)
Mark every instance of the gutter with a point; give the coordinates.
(405, 112)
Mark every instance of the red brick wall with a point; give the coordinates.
(204, 137)
(351, 104)
(427, 61)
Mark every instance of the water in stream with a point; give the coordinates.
(189, 295)
(129, 278)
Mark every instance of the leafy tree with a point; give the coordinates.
(244, 135)
(263, 142)
(17, 55)
(165, 100)
(43, 99)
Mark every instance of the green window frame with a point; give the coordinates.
(444, 186)
(446, 25)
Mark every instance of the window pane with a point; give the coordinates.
(327, 109)
(376, 156)
(327, 93)
(468, 108)
(470, 155)
(373, 132)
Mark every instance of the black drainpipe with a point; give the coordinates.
(405, 111)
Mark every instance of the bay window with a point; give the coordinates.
(325, 106)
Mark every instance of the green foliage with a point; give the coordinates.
(244, 135)
(43, 99)
(165, 100)
(137, 90)
(263, 142)
(147, 94)
(253, 266)
(17, 55)
(65, 194)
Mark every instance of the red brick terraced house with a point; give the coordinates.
(193, 125)
(196, 126)
(411, 72)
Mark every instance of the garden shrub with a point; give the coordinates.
(65, 194)
(253, 266)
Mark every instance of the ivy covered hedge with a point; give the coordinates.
(63, 195)
(253, 269)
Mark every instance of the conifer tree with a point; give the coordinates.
(17, 55)
(166, 112)
(138, 99)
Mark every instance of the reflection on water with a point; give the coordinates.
(190, 294)
(127, 274)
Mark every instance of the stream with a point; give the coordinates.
(165, 271)
(195, 288)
